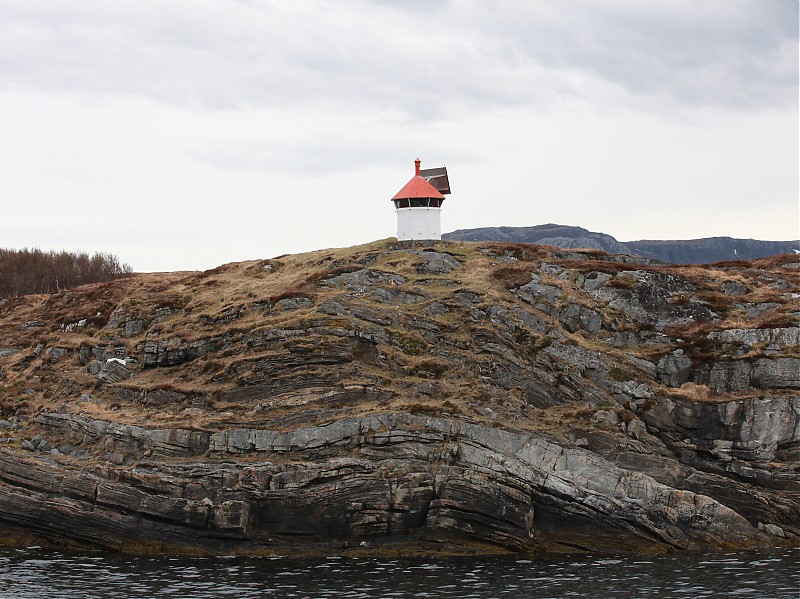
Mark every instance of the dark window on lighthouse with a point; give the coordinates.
(418, 203)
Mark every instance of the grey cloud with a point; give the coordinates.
(359, 55)
(713, 52)
(321, 155)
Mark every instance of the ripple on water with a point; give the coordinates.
(35, 573)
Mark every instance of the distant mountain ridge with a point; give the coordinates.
(689, 251)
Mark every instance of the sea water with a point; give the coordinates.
(33, 572)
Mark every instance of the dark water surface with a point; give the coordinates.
(35, 573)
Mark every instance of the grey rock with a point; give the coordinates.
(772, 529)
(550, 269)
(114, 458)
(776, 373)
(113, 371)
(531, 321)
(754, 310)
(94, 367)
(575, 316)
(84, 354)
(55, 353)
(166, 442)
(595, 280)
(632, 389)
(101, 353)
(486, 411)
(733, 288)
(540, 295)
(133, 327)
(379, 318)
(26, 444)
(437, 263)
(625, 339)
(750, 337)
(739, 375)
(396, 297)
(161, 314)
(646, 365)
(590, 320)
(366, 478)
(757, 428)
(174, 350)
(725, 375)
(674, 369)
(360, 279)
(436, 309)
(293, 303)
(636, 429)
(607, 416)
(647, 297)
(116, 319)
(468, 298)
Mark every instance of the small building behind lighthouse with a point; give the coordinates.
(419, 204)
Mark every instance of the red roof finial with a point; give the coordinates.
(417, 162)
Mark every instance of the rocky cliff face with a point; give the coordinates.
(688, 251)
(447, 397)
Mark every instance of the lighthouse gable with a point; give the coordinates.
(438, 178)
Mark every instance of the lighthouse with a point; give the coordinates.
(419, 204)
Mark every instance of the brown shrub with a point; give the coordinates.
(622, 283)
(692, 392)
(512, 277)
(419, 408)
(524, 252)
(778, 321)
(610, 268)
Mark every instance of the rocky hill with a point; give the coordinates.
(406, 397)
(691, 251)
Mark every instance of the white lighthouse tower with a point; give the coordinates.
(419, 204)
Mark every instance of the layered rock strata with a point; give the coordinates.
(454, 397)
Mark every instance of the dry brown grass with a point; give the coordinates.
(248, 290)
(692, 392)
(512, 277)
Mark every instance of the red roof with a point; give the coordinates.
(418, 187)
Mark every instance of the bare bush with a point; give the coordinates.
(28, 271)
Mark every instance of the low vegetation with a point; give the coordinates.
(413, 329)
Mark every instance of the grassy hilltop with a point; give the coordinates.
(613, 356)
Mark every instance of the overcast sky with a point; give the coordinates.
(184, 134)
